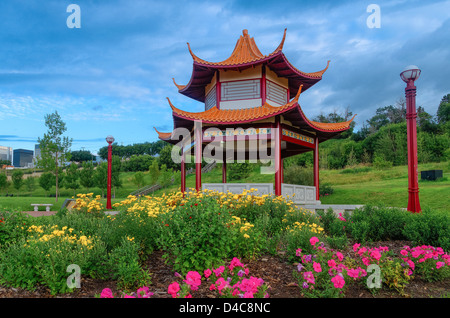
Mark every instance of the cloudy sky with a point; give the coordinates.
(112, 75)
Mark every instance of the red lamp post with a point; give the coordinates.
(110, 140)
(409, 75)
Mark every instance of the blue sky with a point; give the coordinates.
(112, 75)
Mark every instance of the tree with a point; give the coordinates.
(80, 155)
(54, 147)
(3, 181)
(30, 183)
(443, 112)
(46, 181)
(138, 179)
(17, 179)
(165, 157)
(116, 163)
(154, 172)
(101, 176)
(71, 178)
(165, 177)
(87, 175)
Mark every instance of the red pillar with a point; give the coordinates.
(183, 172)
(198, 155)
(108, 187)
(224, 170)
(263, 84)
(411, 115)
(278, 165)
(316, 167)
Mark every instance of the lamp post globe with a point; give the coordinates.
(110, 139)
(409, 75)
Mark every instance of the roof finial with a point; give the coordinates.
(244, 32)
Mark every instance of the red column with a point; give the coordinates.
(218, 89)
(224, 170)
(108, 187)
(411, 115)
(316, 167)
(198, 155)
(183, 172)
(263, 85)
(278, 166)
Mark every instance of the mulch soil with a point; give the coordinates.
(275, 271)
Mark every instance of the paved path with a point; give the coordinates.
(39, 213)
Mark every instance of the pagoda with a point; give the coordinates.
(250, 100)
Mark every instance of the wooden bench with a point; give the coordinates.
(47, 206)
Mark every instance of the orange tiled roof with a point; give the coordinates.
(163, 135)
(331, 126)
(245, 51)
(216, 115)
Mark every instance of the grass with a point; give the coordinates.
(357, 185)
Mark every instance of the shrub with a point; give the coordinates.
(430, 228)
(43, 257)
(371, 223)
(126, 269)
(238, 171)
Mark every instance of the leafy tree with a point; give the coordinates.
(101, 176)
(30, 183)
(17, 179)
(443, 112)
(239, 171)
(71, 178)
(165, 158)
(154, 172)
(116, 182)
(165, 178)
(138, 179)
(3, 181)
(81, 156)
(46, 181)
(87, 175)
(54, 147)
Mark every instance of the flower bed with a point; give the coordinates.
(198, 234)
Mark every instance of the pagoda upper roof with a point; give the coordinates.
(246, 54)
(291, 112)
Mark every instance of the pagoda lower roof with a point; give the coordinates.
(291, 112)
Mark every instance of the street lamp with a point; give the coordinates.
(409, 75)
(109, 140)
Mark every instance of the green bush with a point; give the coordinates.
(429, 228)
(125, 265)
(238, 171)
(371, 223)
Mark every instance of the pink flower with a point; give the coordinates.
(439, 265)
(193, 279)
(248, 295)
(143, 292)
(411, 264)
(366, 261)
(338, 281)
(173, 289)
(212, 287)
(309, 277)
(298, 252)
(354, 273)
(356, 246)
(128, 296)
(404, 252)
(317, 267)
(106, 293)
(376, 255)
(188, 296)
(331, 263)
(313, 240)
(339, 256)
(218, 271)
(207, 273)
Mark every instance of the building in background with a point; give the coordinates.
(22, 158)
(6, 153)
(37, 154)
